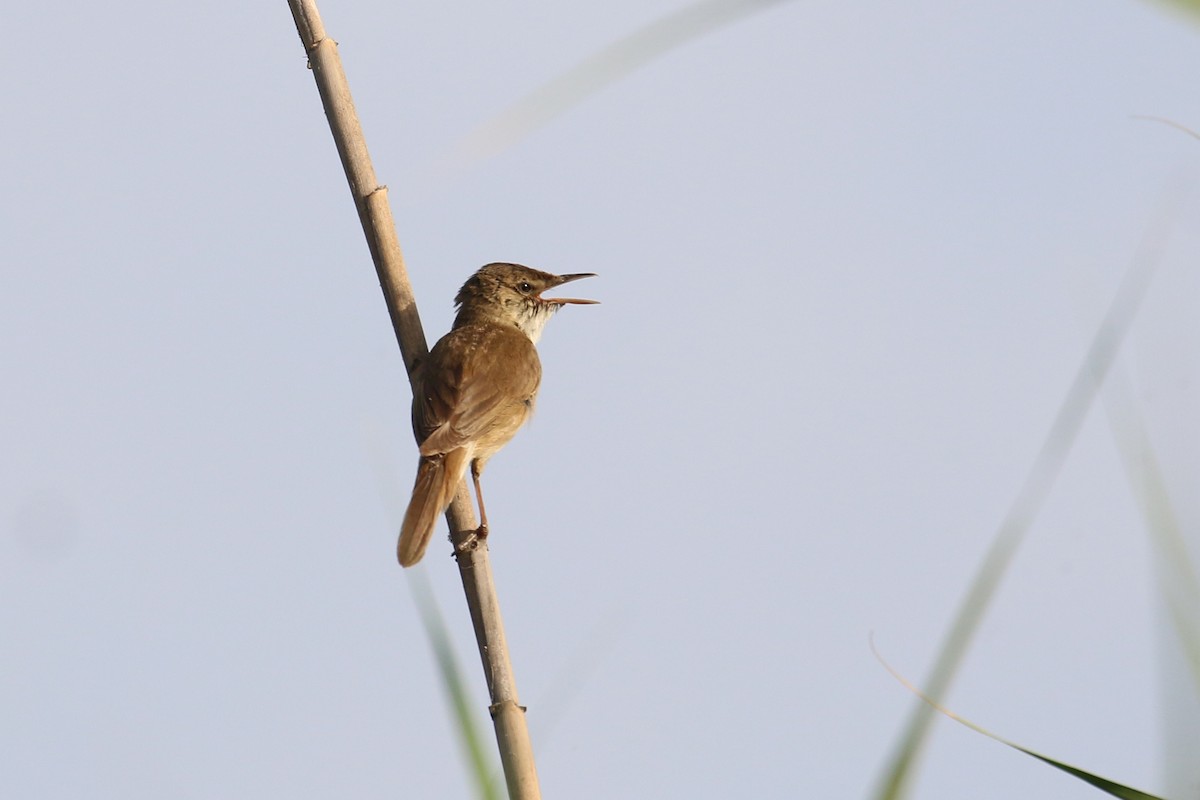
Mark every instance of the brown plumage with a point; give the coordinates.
(476, 389)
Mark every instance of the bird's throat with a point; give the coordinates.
(528, 317)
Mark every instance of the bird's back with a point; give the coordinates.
(477, 388)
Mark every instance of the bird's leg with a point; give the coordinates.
(482, 530)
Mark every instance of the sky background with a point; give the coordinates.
(850, 257)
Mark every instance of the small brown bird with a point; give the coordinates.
(476, 389)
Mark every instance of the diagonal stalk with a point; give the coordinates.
(370, 199)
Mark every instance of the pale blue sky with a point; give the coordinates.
(850, 257)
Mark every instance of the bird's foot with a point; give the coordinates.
(471, 540)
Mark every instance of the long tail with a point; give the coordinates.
(437, 481)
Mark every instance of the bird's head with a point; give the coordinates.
(511, 293)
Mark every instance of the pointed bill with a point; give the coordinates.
(559, 280)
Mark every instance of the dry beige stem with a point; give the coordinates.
(512, 734)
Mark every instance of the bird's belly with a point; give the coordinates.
(503, 428)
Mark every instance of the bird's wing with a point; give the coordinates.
(472, 375)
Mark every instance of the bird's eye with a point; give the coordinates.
(524, 287)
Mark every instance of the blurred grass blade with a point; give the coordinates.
(483, 772)
(1190, 7)
(1176, 571)
(1104, 784)
(1025, 507)
(601, 69)
(1169, 122)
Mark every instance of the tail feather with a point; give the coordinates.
(437, 481)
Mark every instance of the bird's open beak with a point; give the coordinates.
(559, 280)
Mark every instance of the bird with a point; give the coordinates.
(476, 389)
